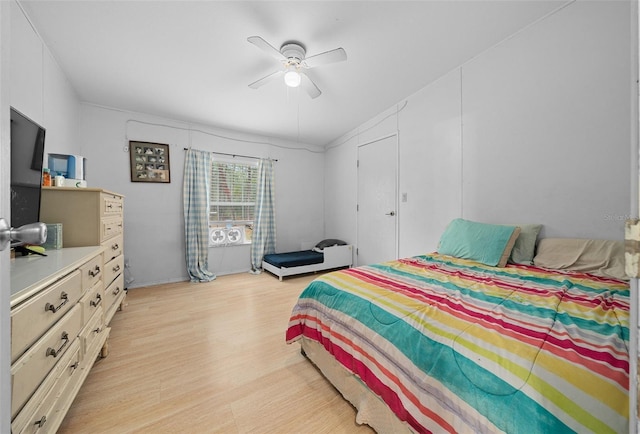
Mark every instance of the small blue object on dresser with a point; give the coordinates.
(54, 236)
(69, 166)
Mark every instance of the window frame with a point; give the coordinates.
(245, 207)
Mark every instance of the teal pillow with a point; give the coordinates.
(480, 242)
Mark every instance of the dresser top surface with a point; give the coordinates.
(29, 274)
(86, 190)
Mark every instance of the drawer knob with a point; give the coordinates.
(65, 299)
(115, 246)
(54, 353)
(116, 291)
(98, 330)
(116, 268)
(75, 366)
(41, 422)
(94, 272)
(95, 302)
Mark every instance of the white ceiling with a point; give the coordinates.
(190, 60)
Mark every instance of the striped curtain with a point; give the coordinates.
(263, 240)
(195, 196)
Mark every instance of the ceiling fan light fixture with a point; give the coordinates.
(292, 78)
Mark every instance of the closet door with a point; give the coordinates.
(377, 200)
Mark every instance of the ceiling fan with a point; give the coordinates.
(292, 55)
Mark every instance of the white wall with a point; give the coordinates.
(39, 88)
(547, 125)
(154, 228)
(430, 170)
(534, 130)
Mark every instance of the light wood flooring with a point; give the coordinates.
(208, 358)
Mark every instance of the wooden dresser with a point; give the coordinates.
(62, 304)
(57, 332)
(91, 217)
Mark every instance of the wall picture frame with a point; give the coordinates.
(149, 162)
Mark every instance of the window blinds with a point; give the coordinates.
(233, 192)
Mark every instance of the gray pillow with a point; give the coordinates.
(524, 248)
(328, 243)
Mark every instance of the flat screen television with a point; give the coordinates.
(27, 154)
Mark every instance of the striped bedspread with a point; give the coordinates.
(455, 346)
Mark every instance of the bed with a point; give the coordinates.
(308, 261)
(440, 343)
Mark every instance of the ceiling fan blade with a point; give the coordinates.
(266, 47)
(264, 80)
(309, 86)
(332, 56)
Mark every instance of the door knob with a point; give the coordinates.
(392, 213)
(33, 233)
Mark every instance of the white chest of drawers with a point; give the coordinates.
(57, 332)
(91, 217)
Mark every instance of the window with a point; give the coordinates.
(233, 195)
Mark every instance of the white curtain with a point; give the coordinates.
(195, 196)
(263, 240)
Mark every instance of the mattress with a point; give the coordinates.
(294, 259)
(451, 345)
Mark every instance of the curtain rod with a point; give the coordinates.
(234, 155)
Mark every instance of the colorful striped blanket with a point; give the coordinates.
(455, 346)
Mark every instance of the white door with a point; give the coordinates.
(5, 137)
(377, 200)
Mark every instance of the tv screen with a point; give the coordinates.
(27, 153)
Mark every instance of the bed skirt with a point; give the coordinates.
(371, 410)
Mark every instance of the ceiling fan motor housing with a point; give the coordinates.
(293, 51)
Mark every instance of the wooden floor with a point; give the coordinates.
(208, 358)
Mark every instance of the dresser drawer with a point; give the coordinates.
(91, 272)
(111, 204)
(92, 333)
(38, 415)
(30, 369)
(111, 227)
(92, 301)
(113, 297)
(113, 268)
(35, 316)
(113, 291)
(113, 248)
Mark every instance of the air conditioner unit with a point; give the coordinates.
(225, 236)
